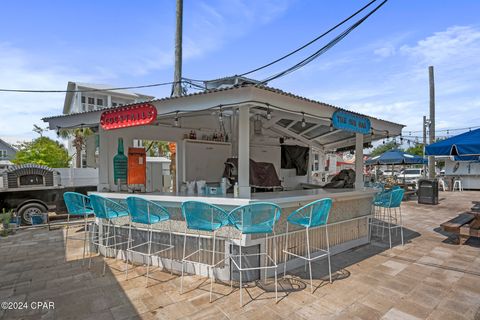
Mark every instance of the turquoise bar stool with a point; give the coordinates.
(147, 213)
(256, 218)
(107, 210)
(201, 216)
(390, 212)
(78, 205)
(312, 215)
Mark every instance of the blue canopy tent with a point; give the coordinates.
(395, 157)
(465, 146)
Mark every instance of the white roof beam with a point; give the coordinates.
(280, 129)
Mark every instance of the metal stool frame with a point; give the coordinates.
(202, 216)
(387, 201)
(107, 210)
(312, 215)
(248, 220)
(154, 213)
(78, 205)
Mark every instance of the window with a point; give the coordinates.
(91, 100)
(100, 102)
(114, 104)
(3, 153)
(83, 99)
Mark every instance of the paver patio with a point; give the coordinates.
(428, 278)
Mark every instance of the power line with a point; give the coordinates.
(446, 130)
(88, 90)
(324, 48)
(310, 42)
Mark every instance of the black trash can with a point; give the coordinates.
(427, 191)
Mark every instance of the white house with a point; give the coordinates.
(7, 153)
(83, 97)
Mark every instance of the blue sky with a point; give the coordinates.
(380, 69)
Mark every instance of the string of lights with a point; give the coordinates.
(445, 130)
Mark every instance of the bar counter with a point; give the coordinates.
(347, 223)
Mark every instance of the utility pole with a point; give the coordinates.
(431, 131)
(177, 77)
(177, 86)
(424, 144)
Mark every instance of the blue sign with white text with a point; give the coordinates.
(348, 121)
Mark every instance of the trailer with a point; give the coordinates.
(34, 189)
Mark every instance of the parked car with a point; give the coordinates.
(389, 172)
(411, 175)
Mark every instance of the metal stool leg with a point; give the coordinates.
(106, 247)
(114, 240)
(401, 224)
(328, 254)
(275, 261)
(128, 247)
(285, 254)
(213, 264)
(183, 259)
(389, 227)
(309, 259)
(171, 249)
(266, 258)
(91, 244)
(240, 271)
(149, 257)
(84, 240)
(66, 237)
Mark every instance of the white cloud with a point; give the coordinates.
(210, 26)
(19, 111)
(207, 27)
(397, 89)
(385, 52)
(453, 45)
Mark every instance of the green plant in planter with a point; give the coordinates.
(5, 218)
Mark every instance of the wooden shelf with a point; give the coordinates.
(206, 141)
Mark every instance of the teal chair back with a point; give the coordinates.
(313, 214)
(77, 203)
(396, 197)
(146, 212)
(203, 216)
(105, 208)
(258, 217)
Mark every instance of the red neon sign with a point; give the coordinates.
(130, 116)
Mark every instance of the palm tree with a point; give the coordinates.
(79, 136)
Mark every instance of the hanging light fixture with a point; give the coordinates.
(303, 120)
(269, 115)
(175, 121)
(220, 115)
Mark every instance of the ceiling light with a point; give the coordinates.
(175, 121)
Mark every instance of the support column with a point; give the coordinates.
(90, 148)
(358, 161)
(244, 151)
(103, 161)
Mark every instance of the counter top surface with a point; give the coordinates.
(281, 198)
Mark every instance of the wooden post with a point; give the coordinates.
(244, 151)
(431, 132)
(177, 78)
(424, 144)
(359, 161)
